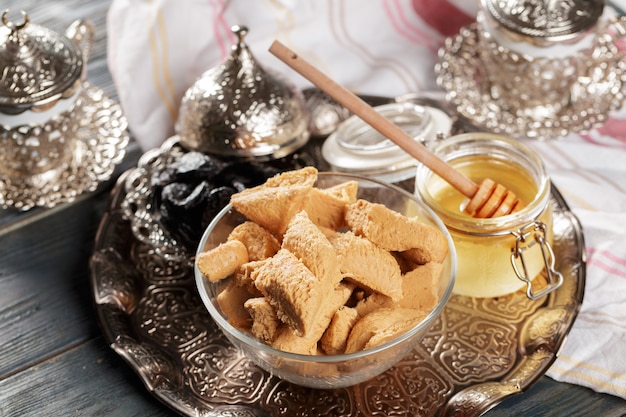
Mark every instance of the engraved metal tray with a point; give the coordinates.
(479, 352)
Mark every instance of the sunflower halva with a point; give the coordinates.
(321, 272)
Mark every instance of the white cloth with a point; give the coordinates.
(590, 171)
(158, 48)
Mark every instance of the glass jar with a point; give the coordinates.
(355, 147)
(500, 255)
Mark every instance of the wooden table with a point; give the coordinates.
(54, 360)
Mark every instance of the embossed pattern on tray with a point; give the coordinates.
(479, 351)
(101, 145)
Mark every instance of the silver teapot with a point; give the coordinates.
(540, 55)
(41, 79)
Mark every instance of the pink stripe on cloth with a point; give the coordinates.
(399, 22)
(607, 268)
(442, 15)
(607, 254)
(221, 27)
(593, 259)
(614, 128)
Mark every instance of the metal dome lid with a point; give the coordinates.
(39, 66)
(547, 21)
(240, 109)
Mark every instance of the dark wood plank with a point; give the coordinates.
(45, 299)
(551, 398)
(89, 380)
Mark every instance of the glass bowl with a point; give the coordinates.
(330, 371)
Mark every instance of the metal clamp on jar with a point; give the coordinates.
(539, 232)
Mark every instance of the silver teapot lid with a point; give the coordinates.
(39, 66)
(239, 109)
(547, 21)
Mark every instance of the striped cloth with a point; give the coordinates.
(157, 48)
(590, 172)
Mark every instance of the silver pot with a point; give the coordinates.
(41, 82)
(540, 56)
(238, 109)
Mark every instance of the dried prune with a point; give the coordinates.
(182, 207)
(217, 199)
(294, 161)
(190, 192)
(196, 166)
(242, 175)
(183, 195)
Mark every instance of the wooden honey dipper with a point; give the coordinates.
(488, 199)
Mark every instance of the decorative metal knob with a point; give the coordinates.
(12, 26)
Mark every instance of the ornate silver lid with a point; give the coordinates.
(538, 21)
(239, 109)
(39, 66)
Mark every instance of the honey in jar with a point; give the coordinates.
(501, 255)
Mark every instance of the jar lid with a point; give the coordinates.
(40, 66)
(358, 148)
(542, 21)
(239, 109)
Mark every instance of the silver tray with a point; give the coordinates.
(479, 352)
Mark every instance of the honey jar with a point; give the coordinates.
(501, 255)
